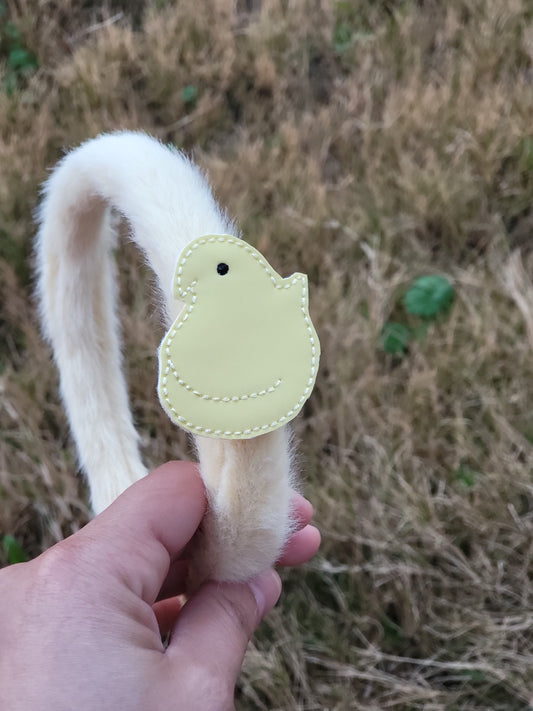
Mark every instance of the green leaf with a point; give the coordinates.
(13, 550)
(342, 37)
(429, 296)
(395, 337)
(12, 31)
(465, 475)
(189, 94)
(20, 59)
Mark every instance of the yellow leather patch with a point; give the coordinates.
(242, 356)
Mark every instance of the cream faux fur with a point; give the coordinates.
(167, 202)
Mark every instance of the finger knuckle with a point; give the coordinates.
(58, 565)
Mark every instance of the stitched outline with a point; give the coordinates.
(181, 320)
(227, 398)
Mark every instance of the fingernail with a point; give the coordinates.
(266, 589)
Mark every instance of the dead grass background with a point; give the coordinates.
(365, 143)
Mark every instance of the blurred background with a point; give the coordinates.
(385, 148)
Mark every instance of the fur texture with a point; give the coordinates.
(167, 202)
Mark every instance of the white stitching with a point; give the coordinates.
(225, 398)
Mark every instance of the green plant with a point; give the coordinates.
(428, 298)
(189, 95)
(20, 61)
(395, 337)
(465, 475)
(351, 25)
(342, 37)
(13, 550)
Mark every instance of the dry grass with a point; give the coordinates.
(365, 143)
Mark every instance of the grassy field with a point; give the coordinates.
(366, 143)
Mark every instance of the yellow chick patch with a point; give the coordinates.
(241, 358)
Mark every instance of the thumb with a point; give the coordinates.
(213, 629)
(147, 528)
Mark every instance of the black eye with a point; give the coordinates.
(222, 268)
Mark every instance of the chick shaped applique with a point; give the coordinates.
(241, 358)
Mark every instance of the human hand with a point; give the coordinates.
(81, 625)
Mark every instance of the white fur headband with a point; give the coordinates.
(167, 203)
